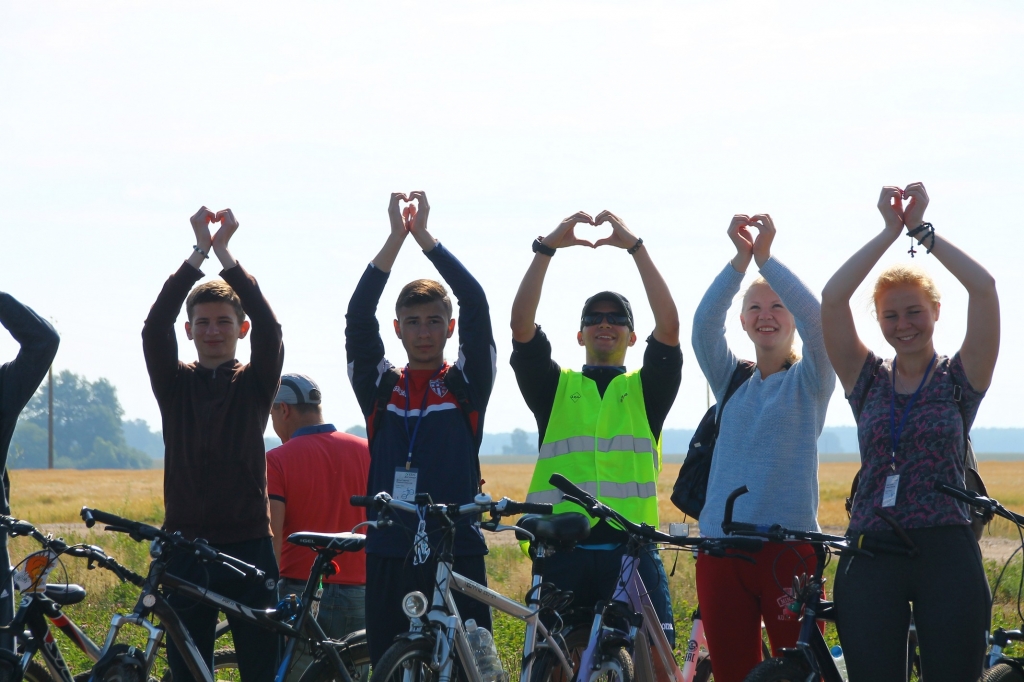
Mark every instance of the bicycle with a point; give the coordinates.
(628, 622)
(999, 668)
(436, 648)
(811, 658)
(333, 659)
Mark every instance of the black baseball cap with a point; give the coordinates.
(614, 297)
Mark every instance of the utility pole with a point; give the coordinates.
(49, 459)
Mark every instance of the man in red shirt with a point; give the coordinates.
(310, 479)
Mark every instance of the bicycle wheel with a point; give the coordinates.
(408, 660)
(546, 667)
(10, 669)
(779, 670)
(1003, 672)
(225, 666)
(353, 653)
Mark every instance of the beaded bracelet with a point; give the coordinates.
(923, 227)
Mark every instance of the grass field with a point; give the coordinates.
(54, 498)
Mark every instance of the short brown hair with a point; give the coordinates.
(420, 291)
(899, 274)
(214, 291)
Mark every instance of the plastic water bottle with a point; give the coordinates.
(840, 661)
(485, 652)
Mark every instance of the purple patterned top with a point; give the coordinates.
(931, 447)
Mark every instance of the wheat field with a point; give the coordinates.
(56, 496)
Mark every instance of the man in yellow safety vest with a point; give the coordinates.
(600, 427)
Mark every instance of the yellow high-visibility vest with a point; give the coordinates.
(603, 445)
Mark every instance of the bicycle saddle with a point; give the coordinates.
(561, 531)
(65, 595)
(341, 542)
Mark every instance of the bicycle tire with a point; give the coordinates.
(10, 669)
(223, 659)
(779, 670)
(546, 667)
(1003, 672)
(407, 660)
(354, 653)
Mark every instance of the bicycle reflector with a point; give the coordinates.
(415, 604)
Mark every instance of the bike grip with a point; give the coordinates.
(730, 501)
(361, 500)
(88, 517)
(512, 508)
(568, 487)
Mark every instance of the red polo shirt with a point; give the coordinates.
(314, 474)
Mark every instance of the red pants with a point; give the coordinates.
(735, 595)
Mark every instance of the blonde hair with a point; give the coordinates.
(896, 275)
(793, 356)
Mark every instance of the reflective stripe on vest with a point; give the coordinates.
(603, 445)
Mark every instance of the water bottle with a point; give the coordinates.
(486, 654)
(840, 661)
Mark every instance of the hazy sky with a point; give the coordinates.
(120, 119)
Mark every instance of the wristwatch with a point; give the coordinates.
(540, 247)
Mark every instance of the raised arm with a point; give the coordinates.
(385, 259)
(666, 317)
(845, 349)
(20, 377)
(524, 307)
(981, 342)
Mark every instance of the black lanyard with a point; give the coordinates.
(897, 432)
(416, 429)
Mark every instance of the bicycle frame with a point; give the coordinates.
(631, 591)
(444, 617)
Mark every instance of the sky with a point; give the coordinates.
(120, 119)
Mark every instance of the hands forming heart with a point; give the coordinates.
(202, 221)
(409, 218)
(895, 213)
(565, 234)
(748, 246)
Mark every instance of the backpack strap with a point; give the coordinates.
(385, 388)
(744, 370)
(958, 393)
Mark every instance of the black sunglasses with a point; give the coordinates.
(617, 319)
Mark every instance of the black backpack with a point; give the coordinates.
(691, 488)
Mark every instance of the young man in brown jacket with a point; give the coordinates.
(214, 412)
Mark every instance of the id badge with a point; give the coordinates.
(892, 484)
(405, 484)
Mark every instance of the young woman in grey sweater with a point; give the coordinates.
(767, 442)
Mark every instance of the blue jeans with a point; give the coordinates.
(342, 611)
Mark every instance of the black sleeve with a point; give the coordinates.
(661, 374)
(363, 345)
(537, 375)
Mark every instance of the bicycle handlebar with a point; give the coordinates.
(597, 509)
(975, 500)
(503, 507)
(94, 553)
(140, 531)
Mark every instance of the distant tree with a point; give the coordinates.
(357, 430)
(138, 435)
(87, 426)
(520, 444)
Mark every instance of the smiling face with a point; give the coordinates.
(215, 329)
(606, 343)
(766, 320)
(907, 317)
(424, 329)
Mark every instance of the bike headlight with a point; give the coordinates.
(415, 604)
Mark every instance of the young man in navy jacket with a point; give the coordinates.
(424, 422)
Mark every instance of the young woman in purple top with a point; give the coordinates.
(912, 416)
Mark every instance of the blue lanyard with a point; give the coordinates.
(897, 432)
(423, 407)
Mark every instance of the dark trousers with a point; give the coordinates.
(947, 586)
(592, 575)
(388, 580)
(257, 648)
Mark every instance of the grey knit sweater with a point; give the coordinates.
(770, 427)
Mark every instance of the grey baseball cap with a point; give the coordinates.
(614, 297)
(298, 389)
